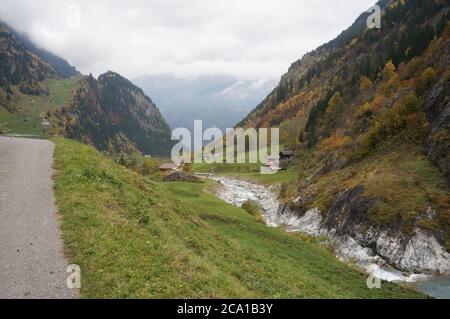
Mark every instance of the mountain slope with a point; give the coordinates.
(407, 30)
(20, 67)
(368, 114)
(115, 116)
(61, 66)
(110, 113)
(29, 86)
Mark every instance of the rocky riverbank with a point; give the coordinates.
(385, 253)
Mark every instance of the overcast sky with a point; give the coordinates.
(251, 39)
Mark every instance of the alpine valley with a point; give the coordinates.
(364, 182)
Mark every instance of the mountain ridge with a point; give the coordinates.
(114, 115)
(305, 69)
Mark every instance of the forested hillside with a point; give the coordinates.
(115, 116)
(20, 67)
(370, 112)
(29, 86)
(61, 66)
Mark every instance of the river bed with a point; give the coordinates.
(237, 192)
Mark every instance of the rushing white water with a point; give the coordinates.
(237, 192)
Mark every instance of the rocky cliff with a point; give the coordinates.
(348, 222)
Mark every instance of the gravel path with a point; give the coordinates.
(32, 263)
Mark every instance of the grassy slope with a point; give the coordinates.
(13, 123)
(136, 238)
(31, 109)
(399, 177)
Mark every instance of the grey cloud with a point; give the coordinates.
(247, 39)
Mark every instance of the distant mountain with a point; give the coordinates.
(220, 101)
(115, 116)
(20, 67)
(61, 66)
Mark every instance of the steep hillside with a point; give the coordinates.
(408, 27)
(61, 66)
(115, 116)
(20, 67)
(29, 86)
(368, 117)
(134, 238)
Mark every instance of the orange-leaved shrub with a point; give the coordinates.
(404, 116)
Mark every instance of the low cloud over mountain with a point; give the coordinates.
(219, 100)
